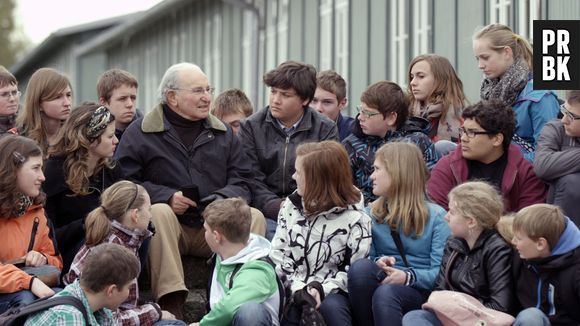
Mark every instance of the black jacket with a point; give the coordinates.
(151, 153)
(483, 272)
(272, 153)
(553, 282)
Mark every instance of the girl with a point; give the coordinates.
(46, 106)
(506, 60)
(322, 229)
(79, 168)
(437, 95)
(477, 259)
(408, 235)
(26, 233)
(123, 218)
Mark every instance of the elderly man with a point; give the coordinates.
(185, 158)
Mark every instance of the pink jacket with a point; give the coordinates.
(520, 187)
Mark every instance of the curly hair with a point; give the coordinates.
(46, 84)
(73, 143)
(14, 152)
(495, 117)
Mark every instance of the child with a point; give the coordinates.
(322, 229)
(475, 209)
(122, 218)
(330, 98)
(408, 237)
(547, 271)
(26, 233)
(250, 297)
(231, 107)
(107, 275)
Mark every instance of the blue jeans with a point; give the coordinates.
(271, 226)
(444, 147)
(531, 317)
(20, 298)
(374, 303)
(170, 323)
(252, 313)
(335, 308)
(421, 317)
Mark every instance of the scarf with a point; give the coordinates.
(24, 202)
(446, 128)
(507, 87)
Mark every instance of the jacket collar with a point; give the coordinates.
(460, 245)
(305, 124)
(155, 121)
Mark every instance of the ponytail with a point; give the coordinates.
(97, 226)
(523, 50)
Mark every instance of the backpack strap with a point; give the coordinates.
(40, 305)
(400, 247)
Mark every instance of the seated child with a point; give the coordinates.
(108, 272)
(547, 271)
(122, 218)
(243, 286)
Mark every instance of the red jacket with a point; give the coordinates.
(519, 187)
(16, 234)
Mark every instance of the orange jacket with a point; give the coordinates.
(15, 235)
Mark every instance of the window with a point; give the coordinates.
(282, 31)
(248, 53)
(499, 12)
(421, 27)
(528, 11)
(399, 39)
(341, 41)
(325, 41)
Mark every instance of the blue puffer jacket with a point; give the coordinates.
(533, 108)
(423, 253)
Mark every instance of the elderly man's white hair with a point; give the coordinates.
(170, 79)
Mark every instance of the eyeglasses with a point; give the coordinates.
(470, 133)
(197, 90)
(568, 114)
(7, 95)
(367, 114)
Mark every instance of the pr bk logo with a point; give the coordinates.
(556, 54)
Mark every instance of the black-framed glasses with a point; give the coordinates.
(366, 113)
(470, 133)
(568, 114)
(7, 95)
(197, 90)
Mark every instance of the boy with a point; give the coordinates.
(330, 98)
(117, 89)
(383, 117)
(231, 107)
(9, 100)
(557, 159)
(547, 271)
(243, 286)
(103, 286)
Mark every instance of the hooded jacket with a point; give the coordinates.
(361, 150)
(519, 187)
(552, 284)
(254, 281)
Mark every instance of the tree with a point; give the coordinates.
(12, 45)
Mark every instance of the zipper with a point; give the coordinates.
(33, 235)
(284, 164)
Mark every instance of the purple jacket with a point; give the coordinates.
(519, 187)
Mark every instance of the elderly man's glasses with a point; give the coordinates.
(470, 133)
(7, 95)
(568, 114)
(367, 114)
(197, 90)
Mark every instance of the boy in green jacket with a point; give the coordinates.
(244, 288)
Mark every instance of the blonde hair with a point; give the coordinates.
(478, 200)
(500, 36)
(45, 84)
(231, 216)
(116, 201)
(405, 206)
(505, 227)
(541, 221)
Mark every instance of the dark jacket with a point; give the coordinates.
(519, 187)
(151, 153)
(361, 150)
(344, 125)
(7, 122)
(483, 272)
(557, 154)
(272, 153)
(552, 284)
(68, 211)
(119, 132)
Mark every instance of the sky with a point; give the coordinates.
(39, 18)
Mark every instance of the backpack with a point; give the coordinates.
(279, 282)
(17, 316)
